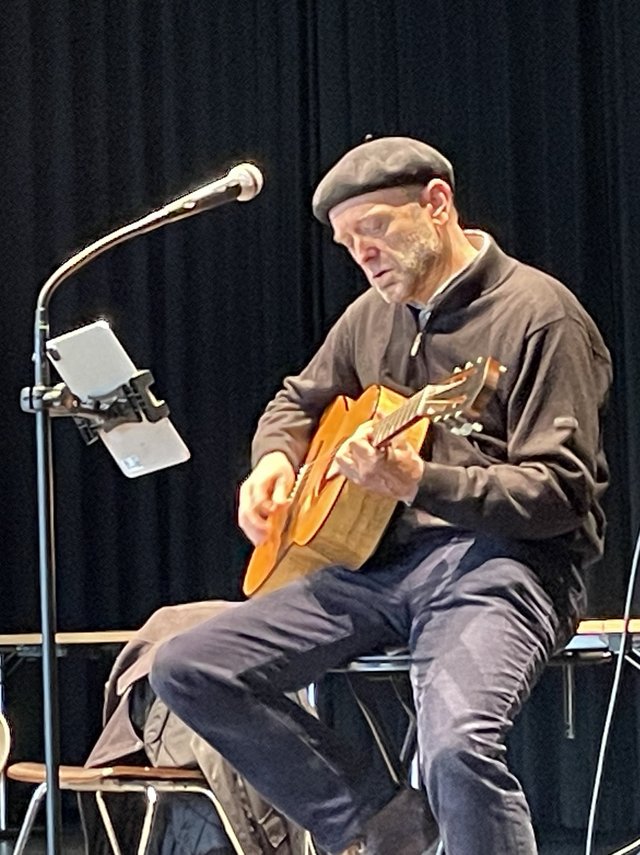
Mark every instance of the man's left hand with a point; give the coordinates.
(394, 470)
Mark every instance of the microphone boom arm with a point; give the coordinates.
(242, 182)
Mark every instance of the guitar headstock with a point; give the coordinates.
(461, 398)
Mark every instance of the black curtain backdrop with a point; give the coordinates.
(110, 108)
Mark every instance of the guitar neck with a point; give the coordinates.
(459, 398)
(398, 421)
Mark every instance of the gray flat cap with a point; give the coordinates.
(379, 163)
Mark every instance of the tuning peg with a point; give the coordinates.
(468, 365)
(503, 369)
(466, 428)
(462, 430)
(457, 369)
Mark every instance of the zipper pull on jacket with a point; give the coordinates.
(423, 319)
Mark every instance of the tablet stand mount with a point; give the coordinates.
(130, 402)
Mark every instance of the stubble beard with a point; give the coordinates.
(418, 259)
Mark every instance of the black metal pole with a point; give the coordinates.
(47, 576)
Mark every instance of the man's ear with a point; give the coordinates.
(438, 194)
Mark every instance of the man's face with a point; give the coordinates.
(390, 234)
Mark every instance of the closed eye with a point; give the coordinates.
(375, 225)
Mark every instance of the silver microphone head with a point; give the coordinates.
(249, 178)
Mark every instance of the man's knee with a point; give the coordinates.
(181, 676)
(460, 762)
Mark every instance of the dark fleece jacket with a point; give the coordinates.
(536, 472)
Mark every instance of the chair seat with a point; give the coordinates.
(72, 776)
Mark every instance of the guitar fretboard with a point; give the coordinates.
(399, 420)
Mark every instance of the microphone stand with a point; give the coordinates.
(207, 197)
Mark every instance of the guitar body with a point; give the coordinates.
(329, 521)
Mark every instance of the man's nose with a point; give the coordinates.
(364, 250)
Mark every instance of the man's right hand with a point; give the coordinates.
(264, 491)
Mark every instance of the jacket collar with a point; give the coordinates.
(488, 270)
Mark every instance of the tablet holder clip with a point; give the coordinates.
(130, 402)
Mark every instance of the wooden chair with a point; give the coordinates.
(149, 781)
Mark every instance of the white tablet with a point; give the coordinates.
(94, 365)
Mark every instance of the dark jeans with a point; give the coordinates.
(480, 628)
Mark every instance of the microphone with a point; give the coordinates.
(242, 183)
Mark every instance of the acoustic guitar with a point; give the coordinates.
(329, 519)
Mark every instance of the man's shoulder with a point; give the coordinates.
(539, 301)
(545, 298)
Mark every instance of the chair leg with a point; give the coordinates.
(226, 824)
(309, 846)
(152, 799)
(108, 825)
(29, 818)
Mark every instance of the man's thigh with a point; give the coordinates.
(287, 639)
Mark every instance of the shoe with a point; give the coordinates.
(404, 826)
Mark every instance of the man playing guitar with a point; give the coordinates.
(479, 569)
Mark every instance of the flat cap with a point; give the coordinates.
(376, 164)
